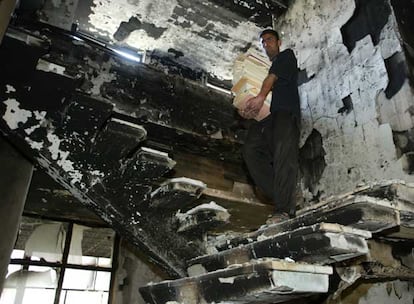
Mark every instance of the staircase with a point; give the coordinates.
(295, 258)
(73, 110)
(109, 139)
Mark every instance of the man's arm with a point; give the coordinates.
(254, 104)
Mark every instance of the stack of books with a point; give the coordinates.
(249, 71)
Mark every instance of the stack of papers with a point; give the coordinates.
(249, 71)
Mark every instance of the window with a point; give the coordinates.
(60, 263)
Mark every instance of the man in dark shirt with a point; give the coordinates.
(271, 147)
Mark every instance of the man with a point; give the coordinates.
(271, 146)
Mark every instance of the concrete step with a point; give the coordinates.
(357, 211)
(322, 243)
(177, 193)
(257, 281)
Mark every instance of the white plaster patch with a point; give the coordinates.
(229, 280)
(34, 144)
(396, 292)
(397, 110)
(14, 115)
(10, 89)
(43, 65)
(186, 180)
(96, 177)
(308, 28)
(61, 158)
(210, 206)
(102, 78)
(30, 130)
(156, 152)
(389, 38)
(39, 116)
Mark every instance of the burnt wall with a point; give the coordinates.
(356, 92)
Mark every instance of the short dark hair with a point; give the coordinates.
(270, 31)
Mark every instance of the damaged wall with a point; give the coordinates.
(198, 35)
(380, 293)
(355, 91)
(133, 270)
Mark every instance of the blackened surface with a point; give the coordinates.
(407, 218)
(165, 60)
(360, 215)
(402, 249)
(410, 162)
(169, 106)
(172, 199)
(151, 165)
(21, 66)
(85, 116)
(201, 222)
(369, 18)
(126, 28)
(348, 106)
(303, 77)
(249, 284)
(224, 84)
(46, 198)
(213, 290)
(404, 141)
(84, 9)
(403, 11)
(312, 159)
(118, 139)
(258, 11)
(225, 149)
(397, 73)
(177, 54)
(305, 245)
(64, 137)
(164, 293)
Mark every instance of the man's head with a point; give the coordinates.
(270, 42)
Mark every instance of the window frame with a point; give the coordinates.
(62, 266)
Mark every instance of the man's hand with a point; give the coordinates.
(252, 107)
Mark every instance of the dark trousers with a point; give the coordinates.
(271, 154)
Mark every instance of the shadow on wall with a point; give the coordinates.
(403, 11)
(312, 161)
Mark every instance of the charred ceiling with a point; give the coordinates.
(198, 40)
(110, 124)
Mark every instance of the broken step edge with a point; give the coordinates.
(186, 189)
(359, 212)
(268, 277)
(325, 212)
(231, 196)
(403, 191)
(203, 217)
(155, 156)
(336, 233)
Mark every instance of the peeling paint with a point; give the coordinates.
(14, 115)
(214, 52)
(358, 148)
(43, 65)
(61, 157)
(229, 280)
(10, 89)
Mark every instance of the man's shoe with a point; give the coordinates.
(277, 218)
